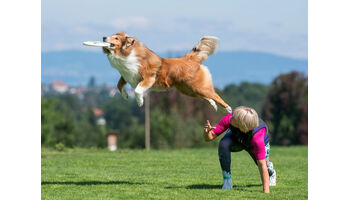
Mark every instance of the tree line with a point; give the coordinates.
(176, 120)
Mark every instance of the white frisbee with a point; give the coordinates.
(96, 44)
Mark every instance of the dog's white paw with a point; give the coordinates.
(212, 103)
(139, 95)
(125, 94)
(139, 100)
(228, 109)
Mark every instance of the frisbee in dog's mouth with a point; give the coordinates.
(98, 44)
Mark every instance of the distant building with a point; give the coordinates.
(59, 86)
(97, 112)
(112, 92)
(73, 90)
(78, 91)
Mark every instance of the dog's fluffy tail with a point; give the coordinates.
(206, 46)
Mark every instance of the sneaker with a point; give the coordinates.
(227, 184)
(273, 179)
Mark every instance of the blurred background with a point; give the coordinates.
(261, 62)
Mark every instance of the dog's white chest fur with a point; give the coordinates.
(128, 67)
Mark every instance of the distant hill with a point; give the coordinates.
(76, 67)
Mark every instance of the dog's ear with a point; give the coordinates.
(129, 42)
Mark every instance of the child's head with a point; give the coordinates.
(244, 118)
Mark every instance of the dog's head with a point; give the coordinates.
(120, 43)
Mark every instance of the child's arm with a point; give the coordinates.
(259, 151)
(264, 174)
(210, 133)
(222, 126)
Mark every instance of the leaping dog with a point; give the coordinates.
(143, 69)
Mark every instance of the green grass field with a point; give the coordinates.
(167, 174)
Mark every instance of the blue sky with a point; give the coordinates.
(278, 27)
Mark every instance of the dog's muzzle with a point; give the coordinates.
(104, 39)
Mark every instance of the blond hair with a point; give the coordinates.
(245, 118)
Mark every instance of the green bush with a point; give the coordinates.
(60, 147)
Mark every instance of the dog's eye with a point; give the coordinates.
(116, 38)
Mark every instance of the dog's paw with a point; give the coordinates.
(228, 109)
(139, 101)
(212, 103)
(139, 95)
(125, 94)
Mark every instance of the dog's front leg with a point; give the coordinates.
(142, 87)
(121, 84)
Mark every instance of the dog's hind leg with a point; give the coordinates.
(142, 87)
(205, 89)
(121, 84)
(218, 100)
(210, 95)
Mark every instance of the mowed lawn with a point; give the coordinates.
(167, 174)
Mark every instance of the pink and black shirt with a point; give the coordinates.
(258, 140)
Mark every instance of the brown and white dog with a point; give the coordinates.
(143, 69)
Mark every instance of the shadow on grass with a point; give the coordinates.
(203, 186)
(90, 183)
(208, 186)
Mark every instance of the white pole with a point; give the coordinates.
(147, 123)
